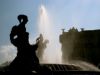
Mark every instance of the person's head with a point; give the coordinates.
(22, 18)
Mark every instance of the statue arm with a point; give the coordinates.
(35, 46)
(13, 34)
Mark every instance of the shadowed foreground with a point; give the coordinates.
(53, 69)
(26, 62)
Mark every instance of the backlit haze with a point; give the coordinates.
(47, 17)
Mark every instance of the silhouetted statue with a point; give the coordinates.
(19, 32)
(26, 59)
(41, 47)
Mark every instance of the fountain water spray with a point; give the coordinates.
(52, 53)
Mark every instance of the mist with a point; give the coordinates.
(52, 52)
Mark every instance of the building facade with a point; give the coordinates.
(81, 45)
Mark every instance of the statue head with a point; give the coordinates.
(22, 18)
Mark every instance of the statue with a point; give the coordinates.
(26, 59)
(41, 47)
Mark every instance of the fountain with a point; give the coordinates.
(52, 53)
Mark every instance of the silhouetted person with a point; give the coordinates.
(26, 59)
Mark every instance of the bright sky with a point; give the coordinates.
(64, 14)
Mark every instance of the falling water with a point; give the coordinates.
(52, 53)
